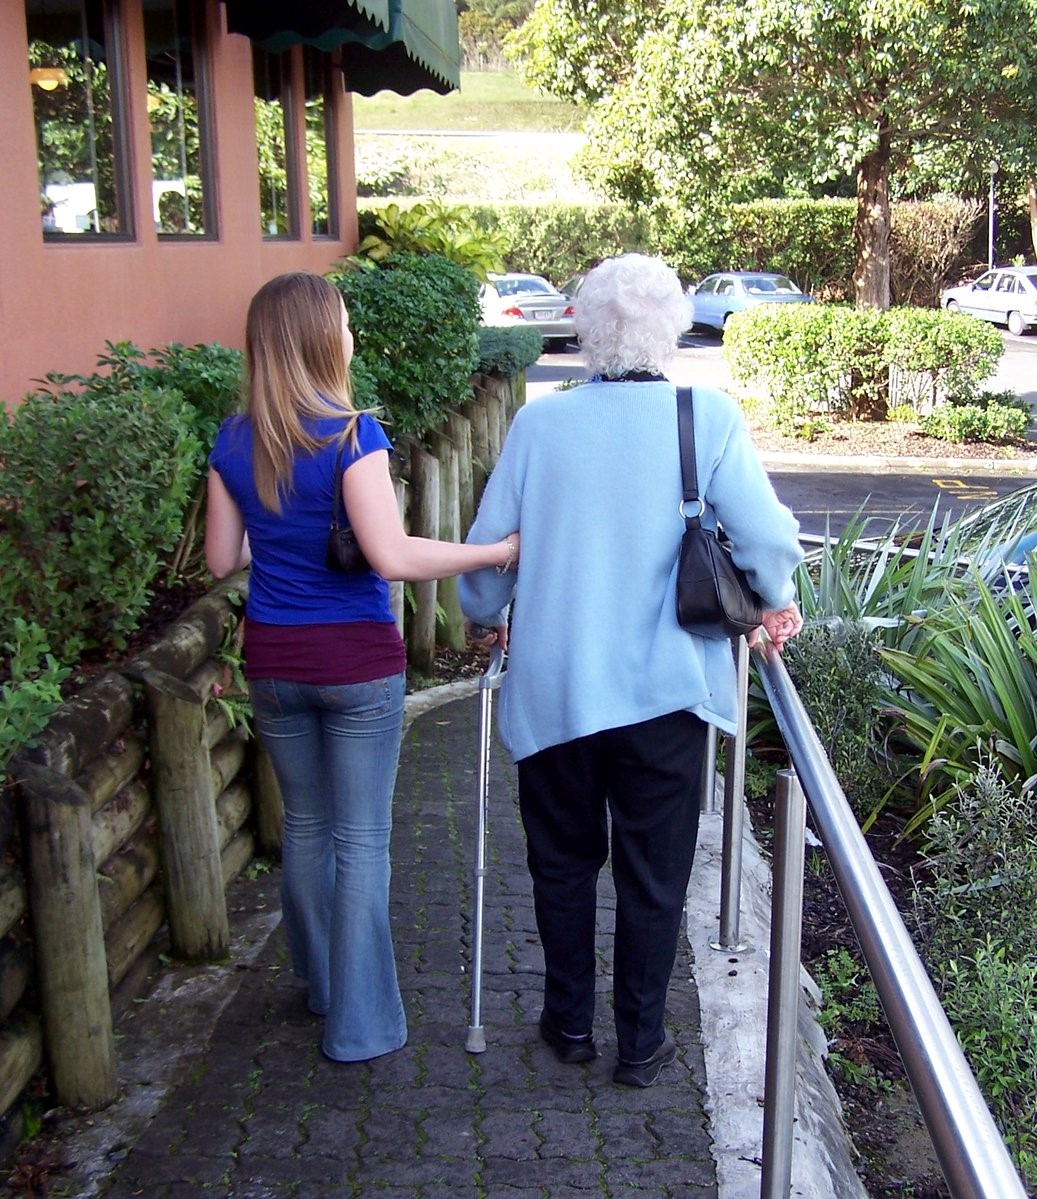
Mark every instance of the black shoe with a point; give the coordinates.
(643, 1074)
(568, 1049)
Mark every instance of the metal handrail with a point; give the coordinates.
(968, 1145)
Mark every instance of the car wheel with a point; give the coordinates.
(1016, 324)
(952, 306)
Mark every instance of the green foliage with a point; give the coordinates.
(938, 355)
(508, 350)
(432, 228)
(848, 994)
(974, 898)
(929, 240)
(967, 689)
(972, 422)
(835, 668)
(92, 495)
(836, 362)
(415, 324)
(31, 688)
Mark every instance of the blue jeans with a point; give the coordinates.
(335, 750)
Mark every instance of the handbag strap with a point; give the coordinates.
(336, 508)
(686, 441)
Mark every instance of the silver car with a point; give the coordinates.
(532, 300)
(717, 296)
(1006, 295)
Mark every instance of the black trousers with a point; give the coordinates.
(646, 777)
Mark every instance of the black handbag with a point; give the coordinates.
(714, 598)
(343, 553)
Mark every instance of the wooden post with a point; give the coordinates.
(182, 775)
(396, 587)
(494, 432)
(70, 954)
(424, 521)
(450, 623)
(475, 412)
(266, 801)
(459, 429)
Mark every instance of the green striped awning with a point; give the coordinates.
(396, 45)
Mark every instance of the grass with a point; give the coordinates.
(488, 101)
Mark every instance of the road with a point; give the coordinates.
(831, 496)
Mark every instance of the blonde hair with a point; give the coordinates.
(629, 314)
(296, 368)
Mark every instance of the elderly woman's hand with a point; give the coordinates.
(485, 637)
(780, 626)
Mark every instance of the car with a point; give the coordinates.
(532, 300)
(1006, 295)
(717, 296)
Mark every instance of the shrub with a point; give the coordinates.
(928, 239)
(506, 350)
(415, 322)
(31, 691)
(971, 422)
(974, 897)
(92, 494)
(835, 668)
(431, 228)
(837, 361)
(939, 355)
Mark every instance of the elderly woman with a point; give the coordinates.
(606, 699)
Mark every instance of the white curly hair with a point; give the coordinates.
(629, 313)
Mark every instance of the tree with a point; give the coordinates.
(697, 101)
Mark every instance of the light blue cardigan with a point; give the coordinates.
(591, 479)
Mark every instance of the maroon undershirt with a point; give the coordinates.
(327, 654)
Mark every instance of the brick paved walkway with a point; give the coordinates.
(266, 1115)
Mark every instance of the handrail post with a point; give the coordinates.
(708, 777)
(734, 794)
(783, 987)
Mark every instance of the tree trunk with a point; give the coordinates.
(871, 229)
(1031, 202)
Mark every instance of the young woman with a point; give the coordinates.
(606, 699)
(324, 659)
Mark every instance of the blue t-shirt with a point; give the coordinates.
(290, 585)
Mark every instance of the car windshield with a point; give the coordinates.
(775, 284)
(526, 286)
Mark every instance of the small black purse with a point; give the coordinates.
(343, 553)
(714, 599)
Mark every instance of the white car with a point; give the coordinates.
(1006, 295)
(532, 300)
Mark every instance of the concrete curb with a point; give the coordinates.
(872, 464)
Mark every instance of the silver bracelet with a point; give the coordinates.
(505, 566)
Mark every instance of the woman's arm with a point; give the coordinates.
(370, 501)
(226, 543)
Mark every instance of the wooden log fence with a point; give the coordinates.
(140, 802)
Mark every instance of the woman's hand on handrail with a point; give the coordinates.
(780, 626)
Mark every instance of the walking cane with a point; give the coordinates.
(489, 683)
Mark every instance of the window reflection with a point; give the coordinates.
(73, 75)
(176, 115)
(319, 143)
(272, 84)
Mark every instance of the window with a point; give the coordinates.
(273, 102)
(78, 112)
(320, 146)
(181, 189)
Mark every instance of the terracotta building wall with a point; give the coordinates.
(60, 302)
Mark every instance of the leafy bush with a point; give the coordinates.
(415, 322)
(31, 690)
(432, 228)
(940, 355)
(838, 361)
(508, 350)
(836, 670)
(973, 422)
(92, 495)
(928, 240)
(974, 898)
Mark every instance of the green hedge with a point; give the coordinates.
(508, 350)
(833, 361)
(809, 240)
(414, 320)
